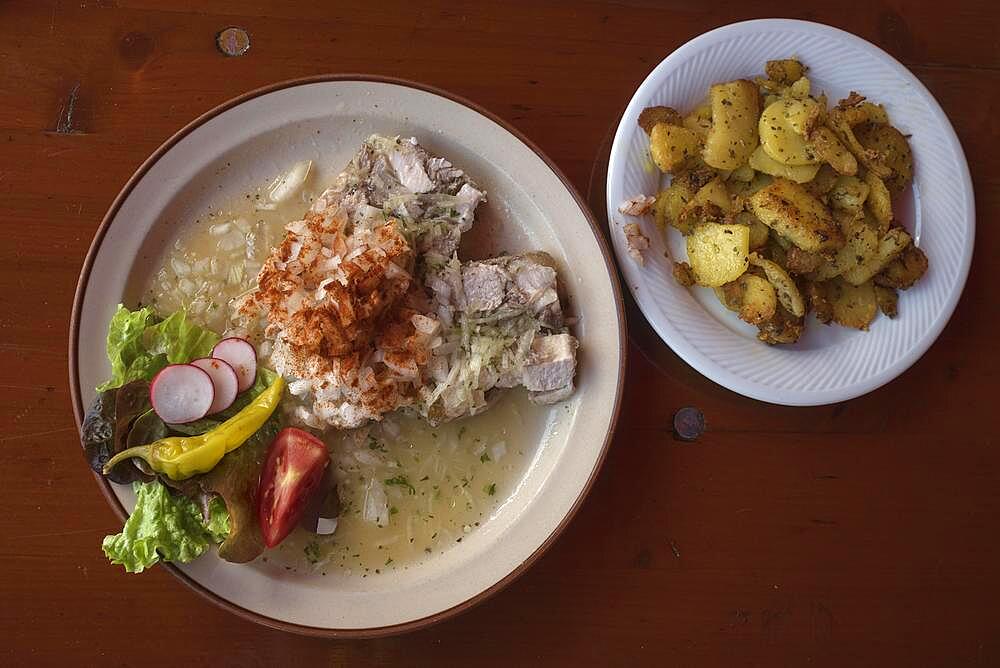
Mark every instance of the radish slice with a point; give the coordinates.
(240, 355)
(224, 379)
(181, 393)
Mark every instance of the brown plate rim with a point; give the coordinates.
(423, 622)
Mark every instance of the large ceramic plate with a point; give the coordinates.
(829, 364)
(531, 205)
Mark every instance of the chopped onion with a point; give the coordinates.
(231, 242)
(498, 450)
(367, 457)
(289, 183)
(299, 388)
(376, 505)
(180, 267)
(390, 427)
(326, 526)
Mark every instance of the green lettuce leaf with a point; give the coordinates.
(164, 527)
(218, 520)
(180, 340)
(126, 352)
(140, 344)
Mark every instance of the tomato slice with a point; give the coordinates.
(292, 472)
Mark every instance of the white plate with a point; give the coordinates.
(530, 206)
(829, 364)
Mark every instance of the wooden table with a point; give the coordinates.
(860, 533)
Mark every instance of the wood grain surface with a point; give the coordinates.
(864, 533)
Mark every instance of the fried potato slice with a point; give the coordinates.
(887, 300)
(718, 253)
(864, 112)
(799, 89)
(752, 298)
(905, 270)
(758, 299)
(682, 274)
(713, 192)
(699, 121)
(762, 162)
(730, 295)
(849, 194)
(790, 210)
(822, 183)
(781, 328)
(784, 285)
(672, 147)
(651, 116)
(798, 261)
(669, 203)
(785, 72)
(744, 174)
(888, 249)
(832, 151)
(879, 201)
(816, 293)
(838, 122)
(759, 232)
(733, 136)
(781, 128)
(861, 245)
(853, 305)
(893, 151)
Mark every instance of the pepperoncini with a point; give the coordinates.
(180, 457)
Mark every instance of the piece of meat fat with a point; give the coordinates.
(551, 364)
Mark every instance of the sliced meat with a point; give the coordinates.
(551, 364)
(500, 288)
(392, 176)
(636, 243)
(639, 205)
(502, 326)
(484, 286)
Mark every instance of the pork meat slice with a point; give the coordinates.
(396, 177)
(505, 328)
(500, 288)
(551, 364)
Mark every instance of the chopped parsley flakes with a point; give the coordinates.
(401, 481)
(311, 550)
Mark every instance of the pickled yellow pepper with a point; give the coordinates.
(180, 457)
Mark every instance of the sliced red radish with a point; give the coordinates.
(181, 393)
(240, 355)
(224, 380)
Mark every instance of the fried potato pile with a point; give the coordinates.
(785, 203)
